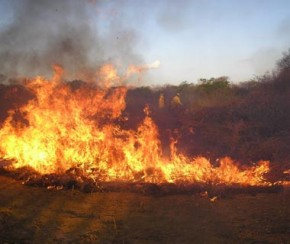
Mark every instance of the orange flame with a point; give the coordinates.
(134, 69)
(62, 128)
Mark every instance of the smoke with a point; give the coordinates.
(78, 35)
(174, 16)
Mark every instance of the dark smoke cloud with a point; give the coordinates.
(67, 33)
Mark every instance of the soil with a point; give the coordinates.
(39, 215)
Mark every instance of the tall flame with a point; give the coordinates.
(63, 127)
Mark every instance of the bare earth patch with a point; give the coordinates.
(38, 215)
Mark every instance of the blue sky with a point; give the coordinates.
(192, 39)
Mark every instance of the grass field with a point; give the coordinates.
(38, 215)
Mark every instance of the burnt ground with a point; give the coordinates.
(38, 215)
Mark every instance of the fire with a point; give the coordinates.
(133, 69)
(64, 127)
(107, 76)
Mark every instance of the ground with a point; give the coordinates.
(38, 215)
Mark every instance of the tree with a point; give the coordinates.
(284, 63)
(214, 84)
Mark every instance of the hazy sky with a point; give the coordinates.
(192, 39)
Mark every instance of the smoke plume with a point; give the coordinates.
(74, 34)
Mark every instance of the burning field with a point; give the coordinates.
(78, 129)
(88, 154)
(75, 138)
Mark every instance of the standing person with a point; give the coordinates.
(176, 102)
(161, 101)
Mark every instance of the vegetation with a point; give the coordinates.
(249, 121)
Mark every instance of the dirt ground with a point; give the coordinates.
(38, 215)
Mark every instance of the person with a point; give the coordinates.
(176, 102)
(161, 101)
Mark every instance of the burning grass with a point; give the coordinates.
(74, 179)
(74, 135)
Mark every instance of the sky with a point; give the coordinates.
(191, 39)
